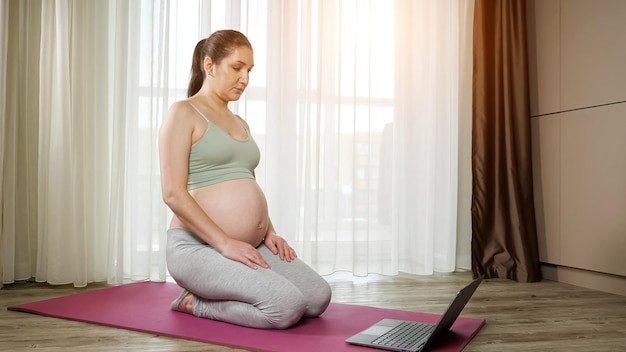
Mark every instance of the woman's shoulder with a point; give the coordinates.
(181, 106)
(180, 117)
(181, 111)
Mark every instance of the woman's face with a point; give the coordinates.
(231, 76)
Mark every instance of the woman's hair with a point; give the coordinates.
(217, 46)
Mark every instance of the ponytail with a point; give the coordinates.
(217, 46)
(197, 69)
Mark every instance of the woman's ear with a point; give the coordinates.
(208, 66)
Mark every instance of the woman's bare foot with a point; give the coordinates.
(186, 304)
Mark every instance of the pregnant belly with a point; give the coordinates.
(238, 207)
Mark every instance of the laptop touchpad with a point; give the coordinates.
(377, 330)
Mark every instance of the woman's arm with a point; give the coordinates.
(175, 139)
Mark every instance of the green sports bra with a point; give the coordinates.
(217, 157)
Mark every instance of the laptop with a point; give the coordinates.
(402, 335)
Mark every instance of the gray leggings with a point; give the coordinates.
(229, 291)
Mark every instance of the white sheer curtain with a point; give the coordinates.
(20, 32)
(364, 102)
(356, 106)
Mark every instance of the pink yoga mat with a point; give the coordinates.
(145, 307)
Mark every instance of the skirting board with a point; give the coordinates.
(584, 278)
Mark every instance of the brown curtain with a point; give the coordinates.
(504, 234)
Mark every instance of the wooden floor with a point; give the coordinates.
(544, 316)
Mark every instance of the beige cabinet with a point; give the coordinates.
(578, 106)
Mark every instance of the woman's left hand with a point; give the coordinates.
(279, 246)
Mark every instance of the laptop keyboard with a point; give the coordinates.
(404, 335)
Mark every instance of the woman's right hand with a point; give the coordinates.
(243, 252)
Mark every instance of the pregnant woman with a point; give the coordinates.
(221, 246)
